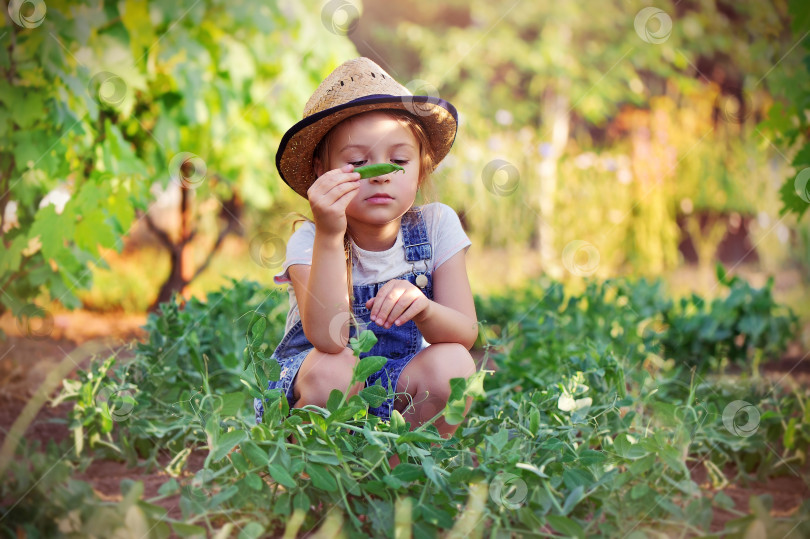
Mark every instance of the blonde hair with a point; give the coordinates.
(426, 165)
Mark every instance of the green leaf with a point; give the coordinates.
(320, 477)
(436, 516)
(256, 454)
(254, 481)
(368, 366)
(363, 343)
(252, 530)
(226, 442)
(791, 201)
(257, 332)
(301, 501)
(577, 477)
(573, 499)
(52, 230)
(281, 475)
(10, 258)
(392, 482)
(324, 458)
(344, 413)
(406, 472)
(790, 434)
(335, 397)
(188, 530)
(239, 462)
(589, 457)
(223, 496)
(499, 440)
(565, 526)
(231, 404)
(626, 449)
(534, 421)
(374, 395)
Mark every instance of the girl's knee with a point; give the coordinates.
(320, 373)
(456, 361)
(447, 361)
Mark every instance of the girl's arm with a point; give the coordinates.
(322, 289)
(323, 299)
(450, 317)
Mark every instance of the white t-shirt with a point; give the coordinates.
(444, 230)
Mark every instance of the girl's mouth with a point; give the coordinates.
(379, 198)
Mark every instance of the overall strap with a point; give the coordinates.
(415, 237)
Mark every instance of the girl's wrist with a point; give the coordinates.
(329, 239)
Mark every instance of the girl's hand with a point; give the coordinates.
(328, 197)
(397, 302)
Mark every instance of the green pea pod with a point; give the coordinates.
(370, 171)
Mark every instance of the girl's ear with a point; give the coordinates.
(317, 167)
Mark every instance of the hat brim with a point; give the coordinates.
(294, 159)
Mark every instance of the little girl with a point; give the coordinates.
(398, 269)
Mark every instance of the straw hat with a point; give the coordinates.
(357, 86)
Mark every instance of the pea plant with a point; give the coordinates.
(591, 425)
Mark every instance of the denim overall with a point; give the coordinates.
(399, 344)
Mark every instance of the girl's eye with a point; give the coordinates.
(400, 161)
(356, 163)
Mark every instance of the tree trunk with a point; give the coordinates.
(183, 270)
(186, 258)
(556, 116)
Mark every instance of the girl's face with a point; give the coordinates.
(372, 138)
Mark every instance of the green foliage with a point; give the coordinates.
(636, 319)
(578, 429)
(99, 100)
(788, 122)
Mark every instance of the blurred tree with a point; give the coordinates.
(788, 121)
(99, 100)
(552, 66)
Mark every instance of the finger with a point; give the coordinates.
(415, 308)
(334, 197)
(389, 302)
(331, 178)
(399, 308)
(332, 188)
(377, 312)
(346, 198)
(406, 299)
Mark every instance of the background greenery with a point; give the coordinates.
(631, 144)
(607, 157)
